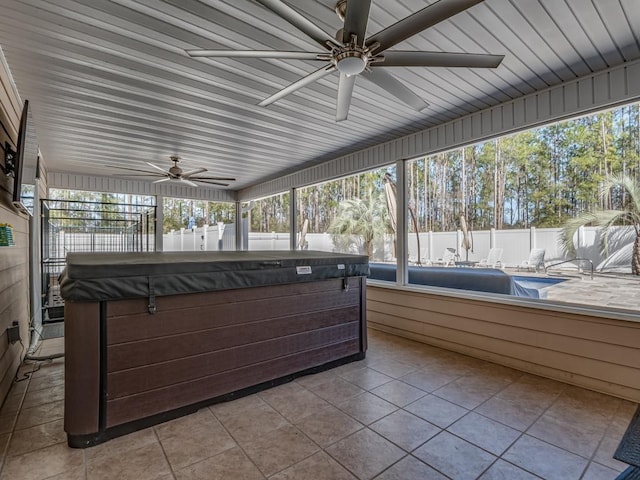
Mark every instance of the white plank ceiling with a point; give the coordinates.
(110, 84)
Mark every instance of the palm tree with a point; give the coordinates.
(629, 214)
(365, 218)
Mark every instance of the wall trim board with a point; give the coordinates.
(597, 91)
(94, 183)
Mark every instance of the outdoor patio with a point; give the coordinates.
(607, 291)
(408, 411)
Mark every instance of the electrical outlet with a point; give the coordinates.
(13, 333)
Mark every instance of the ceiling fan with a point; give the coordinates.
(177, 174)
(352, 54)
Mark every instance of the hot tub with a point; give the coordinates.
(152, 336)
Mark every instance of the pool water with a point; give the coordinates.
(537, 283)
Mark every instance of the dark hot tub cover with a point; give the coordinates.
(112, 276)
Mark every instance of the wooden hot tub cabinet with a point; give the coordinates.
(129, 365)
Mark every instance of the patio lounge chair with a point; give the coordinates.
(535, 260)
(448, 258)
(492, 260)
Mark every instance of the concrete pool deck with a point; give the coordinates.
(604, 290)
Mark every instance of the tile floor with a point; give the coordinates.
(409, 411)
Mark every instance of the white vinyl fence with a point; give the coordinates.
(516, 244)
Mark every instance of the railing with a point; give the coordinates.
(547, 267)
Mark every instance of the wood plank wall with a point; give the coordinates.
(14, 261)
(596, 353)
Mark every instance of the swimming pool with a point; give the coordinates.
(533, 286)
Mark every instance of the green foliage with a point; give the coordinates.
(359, 220)
(627, 214)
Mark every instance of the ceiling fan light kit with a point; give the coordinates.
(352, 54)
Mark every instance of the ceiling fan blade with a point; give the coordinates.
(197, 178)
(258, 54)
(214, 183)
(166, 179)
(419, 21)
(345, 90)
(355, 21)
(136, 170)
(300, 22)
(157, 168)
(304, 81)
(150, 174)
(438, 59)
(395, 88)
(188, 182)
(194, 172)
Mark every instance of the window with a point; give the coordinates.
(267, 223)
(198, 225)
(349, 215)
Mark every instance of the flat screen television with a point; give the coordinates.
(25, 162)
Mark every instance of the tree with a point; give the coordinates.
(363, 217)
(628, 214)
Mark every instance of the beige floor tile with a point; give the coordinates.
(230, 409)
(78, 473)
(4, 443)
(545, 460)
(605, 451)
(367, 408)
(248, 424)
(580, 438)
(37, 437)
(365, 453)
(319, 466)
(485, 433)
(584, 406)
(144, 463)
(7, 422)
(41, 383)
(405, 429)
(492, 372)
(502, 470)
(429, 381)
(18, 386)
(37, 415)
(521, 401)
(336, 390)
(510, 412)
(596, 471)
(454, 457)
(279, 449)
(393, 368)
(469, 391)
(309, 381)
(410, 468)
(293, 401)
(56, 367)
(398, 393)
(193, 438)
(366, 378)
(43, 463)
(328, 425)
(40, 397)
(349, 367)
(12, 403)
(232, 464)
(533, 390)
(436, 410)
(121, 445)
